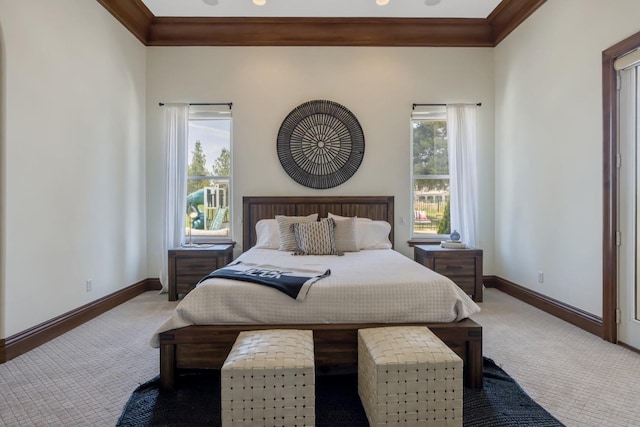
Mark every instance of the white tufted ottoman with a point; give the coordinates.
(408, 377)
(268, 379)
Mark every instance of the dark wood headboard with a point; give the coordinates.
(256, 208)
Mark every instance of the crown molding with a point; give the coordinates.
(450, 32)
(508, 15)
(319, 32)
(133, 14)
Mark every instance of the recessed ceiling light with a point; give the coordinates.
(382, 2)
(431, 2)
(210, 2)
(259, 2)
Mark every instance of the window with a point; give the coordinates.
(430, 172)
(208, 211)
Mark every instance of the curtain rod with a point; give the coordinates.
(479, 104)
(161, 104)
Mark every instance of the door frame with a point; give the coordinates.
(610, 185)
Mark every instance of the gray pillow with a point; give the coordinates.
(345, 234)
(287, 238)
(315, 238)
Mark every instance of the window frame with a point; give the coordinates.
(210, 113)
(437, 113)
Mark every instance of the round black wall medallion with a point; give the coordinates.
(320, 144)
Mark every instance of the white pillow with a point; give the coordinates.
(345, 235)
(267, 236)
(287, 238)
(373, 234)
(330, 215)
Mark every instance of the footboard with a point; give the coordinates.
(335, 346)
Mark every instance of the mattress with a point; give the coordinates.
(370, 286)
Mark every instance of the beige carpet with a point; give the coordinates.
(84, 377)
(581, 379)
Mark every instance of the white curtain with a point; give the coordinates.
(461, 131)
(175, 188)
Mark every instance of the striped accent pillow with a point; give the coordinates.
(287, 238)
(315, 238)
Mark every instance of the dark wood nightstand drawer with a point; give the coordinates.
(187, 265)
(184, 287)
(466, 283)
(196, 266)
(459, 266)
(462, 266)
(189, 278)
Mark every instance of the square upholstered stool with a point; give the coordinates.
(268, 379)
(408, 377)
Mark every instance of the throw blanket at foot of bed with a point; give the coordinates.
(294, 282)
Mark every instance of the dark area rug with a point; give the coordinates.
(196, 402)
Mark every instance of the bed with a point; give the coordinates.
(185, 345)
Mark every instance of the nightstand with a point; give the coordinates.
(187, 265)
(463, 266)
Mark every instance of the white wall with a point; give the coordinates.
(378, 85)
(73, 149)
(78, 96)
(548, 148)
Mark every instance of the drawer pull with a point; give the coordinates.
(454, 267)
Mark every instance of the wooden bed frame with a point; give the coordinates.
(207, 346)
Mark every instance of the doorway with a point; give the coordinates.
(628, 306)
(610, 195)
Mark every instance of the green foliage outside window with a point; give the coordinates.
(445, 224)
(430, 151)
(197, 167)
(222, 165)
(431, 175)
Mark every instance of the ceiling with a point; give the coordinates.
(324, 8)
(451, 23)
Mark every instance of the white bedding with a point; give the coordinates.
(371, 286)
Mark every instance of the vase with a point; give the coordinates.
(455, 236)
